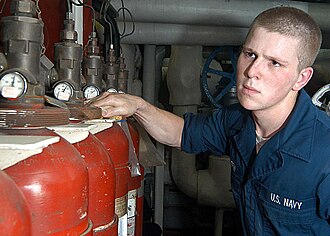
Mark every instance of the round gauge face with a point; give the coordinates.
(91, 92)
(112, 90)
(12, 85)
(63, 91)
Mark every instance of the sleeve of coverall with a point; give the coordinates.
(202, 133)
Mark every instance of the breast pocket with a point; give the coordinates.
(284, 213)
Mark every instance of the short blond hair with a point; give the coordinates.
(295, 23)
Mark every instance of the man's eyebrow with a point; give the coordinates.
(247, 49)
(268, 57)
(280, 60)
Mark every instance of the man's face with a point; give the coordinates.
(267, 70)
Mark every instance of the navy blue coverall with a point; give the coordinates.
(285, 188)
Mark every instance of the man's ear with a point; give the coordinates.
(304, 76)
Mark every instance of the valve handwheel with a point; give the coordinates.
(215, 99)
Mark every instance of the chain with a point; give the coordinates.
(43, 48)
(38, 9)
(3, 5)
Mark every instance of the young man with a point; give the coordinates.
(278, 141)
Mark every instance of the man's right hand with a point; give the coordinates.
(117, 104)
(162, 125)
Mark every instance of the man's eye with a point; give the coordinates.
(250, 54)
(275, 63)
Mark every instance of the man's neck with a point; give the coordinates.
(269, 122)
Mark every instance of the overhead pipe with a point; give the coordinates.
(208, 23)
(233, 13)
(178, 34)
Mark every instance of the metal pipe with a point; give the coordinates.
(176, 34)
(149, 85)
(160, 55)
(237, 13)
(159, 189)
(149, 67)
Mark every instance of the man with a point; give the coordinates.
(278, 141)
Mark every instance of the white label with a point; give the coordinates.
(10, 92)
(131, 204)
(122, 226)
(131, 226)
(64, 96)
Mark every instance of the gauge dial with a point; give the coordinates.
(112, 90)
(91, 92)
(63, 91)
(12, 85)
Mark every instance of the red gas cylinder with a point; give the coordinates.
(102, 179)
(114, 139)
(54, 183)
(14, 214)
(135, 191)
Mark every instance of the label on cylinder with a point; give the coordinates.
(121, 206)
(131, 226)
(131, 212)
(131, 203)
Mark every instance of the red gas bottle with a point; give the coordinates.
(114, 139)
(54, 181)
(101, 172)
(14, 214)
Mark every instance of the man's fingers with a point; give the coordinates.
(96, 99)
(114, 104)
(103, 100)
(109, 111)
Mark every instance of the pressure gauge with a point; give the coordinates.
(63, 91)
(112, 90)
(12, 85)
(91, 92)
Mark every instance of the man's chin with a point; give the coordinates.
(246, 103)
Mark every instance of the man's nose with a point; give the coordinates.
(255, 68)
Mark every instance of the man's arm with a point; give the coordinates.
(163, 126)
